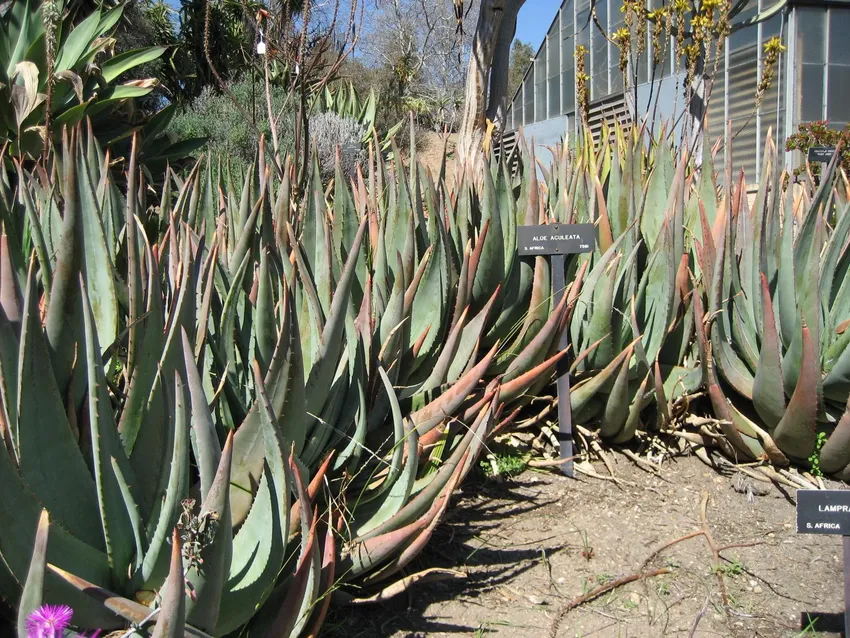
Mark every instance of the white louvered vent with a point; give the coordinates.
(508, 149)
(611, 109)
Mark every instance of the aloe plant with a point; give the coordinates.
(777, 295)
(232, 401)
(691, 292)
(296, 386)
(632, 326)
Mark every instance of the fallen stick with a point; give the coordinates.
(776, 477)
(699, 617)
(544, 463)
(589, 471)
(596, 593)
(706, 532)
(643, 464)
(669, 544)
(428, 576)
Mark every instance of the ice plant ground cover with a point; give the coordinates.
(51, 621)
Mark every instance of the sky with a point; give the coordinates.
(534, 20)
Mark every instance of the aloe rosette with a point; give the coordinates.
(297, 384)
(632, 325)
(777, 366)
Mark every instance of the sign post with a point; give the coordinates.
(828, 512)
(822, 154)
(556, 241)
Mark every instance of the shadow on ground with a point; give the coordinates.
(470, 539)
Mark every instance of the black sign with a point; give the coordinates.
(823, 512)
(555, 239)
(821, 154)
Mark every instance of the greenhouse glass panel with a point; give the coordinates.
(554, 57)
(811, 92)
(717, 107)
(745, 37)
(616, 21)
(583, 25)
(771, 27)
(839, 31)
(540, 85)
(742, 82)
(811, 35)
(567, 59)
(528, 99)
(599, 57)
(516, 110)
(838, 93)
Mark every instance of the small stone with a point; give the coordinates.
(535, 600)
(757, 589)
(771, 535)
(634, 597)
(562, 580)
(753, 583)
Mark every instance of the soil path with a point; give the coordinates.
(533, 543)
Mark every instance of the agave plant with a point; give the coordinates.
(778, 304)
(296, 385)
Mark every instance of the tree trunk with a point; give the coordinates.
(497, 106)
(489, 44)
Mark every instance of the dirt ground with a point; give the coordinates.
(430, 146)
(531, 544)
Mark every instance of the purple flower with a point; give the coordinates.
(48, 621)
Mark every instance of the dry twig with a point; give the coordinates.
(429, 575)
(595, 593)
(544, 463)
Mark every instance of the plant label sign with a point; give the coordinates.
(823, 512)
(555, 242)
(555, 239)
(828, 512)
(822, 154)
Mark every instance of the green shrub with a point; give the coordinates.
(329, 131)
(214, 115)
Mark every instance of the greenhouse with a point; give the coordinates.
(812, 79)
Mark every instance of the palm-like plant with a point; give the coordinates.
(45, 56)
